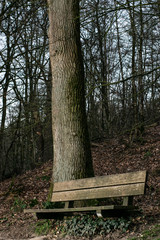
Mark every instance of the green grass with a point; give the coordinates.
(18, 205)
(150, 234)
(43, 227)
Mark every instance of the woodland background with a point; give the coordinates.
(121, 52)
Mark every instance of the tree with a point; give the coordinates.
(25, 129)
(121, 64)
(72, 155)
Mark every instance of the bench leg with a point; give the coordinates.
(127, 201)
(69, 204)
(99, 213)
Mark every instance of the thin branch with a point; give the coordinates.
(121, 81)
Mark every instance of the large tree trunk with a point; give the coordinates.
(72, 155)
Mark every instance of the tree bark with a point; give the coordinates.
(72, 155)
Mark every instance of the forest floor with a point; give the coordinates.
(109, 157)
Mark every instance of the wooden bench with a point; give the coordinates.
(123, 186)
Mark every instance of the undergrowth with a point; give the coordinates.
(43, 227)
(84, 225)
(153, 233)
(18, 205)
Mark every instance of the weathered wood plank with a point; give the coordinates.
(80, 209)
(109, 180)
(103, 192)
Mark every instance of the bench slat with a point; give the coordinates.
(93, 193)
(109, 180)
(80, 209)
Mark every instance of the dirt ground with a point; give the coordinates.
(109, 157)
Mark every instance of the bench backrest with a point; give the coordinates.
(118, 185)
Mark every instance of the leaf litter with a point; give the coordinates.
(110, 156)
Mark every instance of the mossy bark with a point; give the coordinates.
(72, 154)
